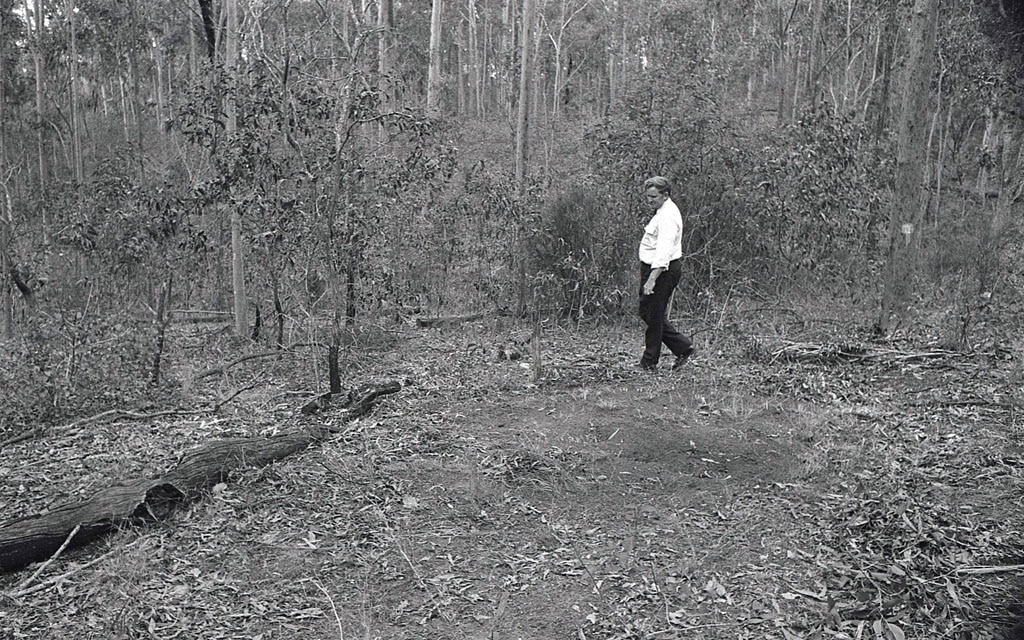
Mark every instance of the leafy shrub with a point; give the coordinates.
(815, 195)
(74, 363)
(579, 255)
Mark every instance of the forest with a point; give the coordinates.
(318, 319)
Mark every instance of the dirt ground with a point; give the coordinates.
(742, 497)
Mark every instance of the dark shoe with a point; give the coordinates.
(648, 366)
(681, 359)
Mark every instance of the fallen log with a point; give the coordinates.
(197, 316)
(35, 538)
(253, 356)
(836, 353)
(438, 321)
(250, 356)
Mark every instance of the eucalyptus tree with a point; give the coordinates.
(11, 28)
(908, 194)
(526, 77)
(434, 70)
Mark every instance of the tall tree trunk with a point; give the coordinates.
(237, 259)
(6, 219)
(40, 95)
(434, 72)
(386, 26)
(6, 266)
(567, 15)
(37, 13)
(193, 53)
(907, 199)
(133, 69)
(158, 60)
(76, 134)
(461, 67)
(815, 55)
(878, 105)
(473, 60)
(507, 49)
(525, 84)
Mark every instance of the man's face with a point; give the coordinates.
(655, 198)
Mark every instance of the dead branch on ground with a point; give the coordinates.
(35, 538)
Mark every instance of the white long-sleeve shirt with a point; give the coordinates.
(663, 237)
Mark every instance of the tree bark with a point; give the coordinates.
(386, 26)
(40, 96)
(36, 538)
(237, 256)
(76, 134)
(908, 194)
(209, 27)
(878, 105)
(525, 84)
(815, 56)
(6, 217)
(434, 71)
(133, 69)
(473, 60)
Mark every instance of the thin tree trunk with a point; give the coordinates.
(278, 312)
(474, 54)
(161, 106)
(525, 84)
(6, 218)
(162, 320)
(815, 55)
(434, 71)
(133, 69)
(125, 109)
(461, 64)
(386, 25)
(237, 258)
(43, 165)
(556, 94)
(76, 134)
(878, 108)
(508, 45)
(193, 53)
(6, 268)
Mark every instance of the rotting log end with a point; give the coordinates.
(36, 538)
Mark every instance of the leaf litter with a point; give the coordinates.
(879, 500)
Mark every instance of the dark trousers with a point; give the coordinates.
(652, 311)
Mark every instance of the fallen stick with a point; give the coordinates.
(966, 403)
(49, 582)
(27, 581)
(982, 571)
(25, 435)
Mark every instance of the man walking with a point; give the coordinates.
(661, 252)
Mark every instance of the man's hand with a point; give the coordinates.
(651, 279)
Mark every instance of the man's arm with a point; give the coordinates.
(651, 279)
